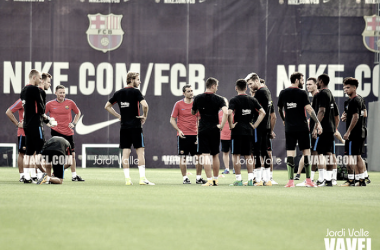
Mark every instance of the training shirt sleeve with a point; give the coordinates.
(16, 106)
(175, 110)
(139, 95)
(256, 104)
(113, 99)
(336, 110)
(280, 101)
(232, 104)
(272, 107)
(323, 99)
(74, 107)
(305, 99)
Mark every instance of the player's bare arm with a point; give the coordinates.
(344, 117)
(273, 119)
(145, 108)
(259, 119)
(110, 110)
(281, 112)
(13, 119)
(230, 124)
(75, 121)
(224, 119)
(318, 126)
(355, 119)
(174, 124)
(339, 136)
(365, 113)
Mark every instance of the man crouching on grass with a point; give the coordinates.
(54, 156)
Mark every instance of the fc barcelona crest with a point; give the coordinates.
(371, 33)
(104, 32)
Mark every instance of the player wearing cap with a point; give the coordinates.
(17, 106)
(243, 107)
(292, 103)
(355, 132)
(208, 105)
(60, 109)
(187, 129)
(131, 133)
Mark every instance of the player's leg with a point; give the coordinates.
(291, 142)
(237, 167)
(214, 151)
(300, 168)
(183, 150)
(195, 154)
(257, 157)
(350, 159)
(225, 148)
(20, 163)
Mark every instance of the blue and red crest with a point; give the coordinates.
(371, 33)
(104, 32)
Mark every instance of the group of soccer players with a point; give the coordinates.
(244, 126)
(32, 109)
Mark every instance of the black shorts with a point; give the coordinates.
(225, 146)
(241, 144)
(302, 137)
(34, 140)
(58, 169)
(324, 143)
(354, 146)
(21, 144)
(131, 136)
(69, 138)
(259, 142)
(208, 142)
(187, 145)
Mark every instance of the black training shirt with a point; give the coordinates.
(314, 105)
(351, 107)
(243, 107)
(264, 98)
(57, 144)
(208, 104)
(34, 107)
(326, 100)
(293, 101)
(128, 99)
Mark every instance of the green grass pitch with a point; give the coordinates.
(103, 213)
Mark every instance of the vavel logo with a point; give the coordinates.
(354, 240)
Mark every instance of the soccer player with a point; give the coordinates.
(54, 152)
(131, 133)
(292, 103)
(355, 132)
(187, 129)
(60, 109)
(311, 86)
(34, 114)
(325, 142)
(225, 144)
(243, 108)
(261, 133)
(208, 105)
(17, 106)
